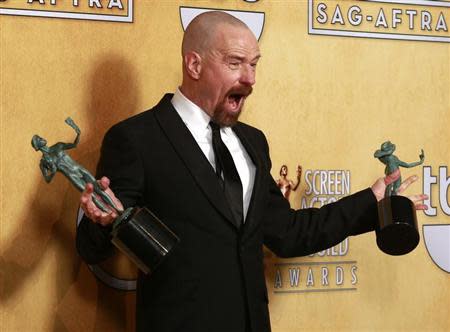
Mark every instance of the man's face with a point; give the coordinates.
(228, 73)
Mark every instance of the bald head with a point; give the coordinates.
(203, 28)
(220, 54)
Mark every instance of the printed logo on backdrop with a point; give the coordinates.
(328, 270)
(254, 20)
(436, 236)
(98, 10)
(387, 19)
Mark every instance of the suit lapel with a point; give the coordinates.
(254, 207)
(187, 148)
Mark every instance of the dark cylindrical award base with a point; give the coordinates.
(144, 238)
(396, 231)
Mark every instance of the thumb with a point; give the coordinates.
(104, 183)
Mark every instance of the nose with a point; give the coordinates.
(248, 75)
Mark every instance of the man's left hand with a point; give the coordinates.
(379, 188)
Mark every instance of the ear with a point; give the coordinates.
(193, 64)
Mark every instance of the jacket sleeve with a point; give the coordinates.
(121, 163)
(290, 233)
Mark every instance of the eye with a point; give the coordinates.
(234, 64)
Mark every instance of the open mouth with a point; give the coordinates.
(235, 100)
(237, 97)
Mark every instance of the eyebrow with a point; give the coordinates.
(257, 57)
(241, 58)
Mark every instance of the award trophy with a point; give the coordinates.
(137, 232)
(396, 231)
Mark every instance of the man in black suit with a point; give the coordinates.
(172, 160)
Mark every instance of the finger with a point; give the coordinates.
(106, 219)
(116, 201)
(97, 214)
(114, 198)
(118, 204)
(93, 212)
(99, 217)
(88, 189)
(418, 201)
(421, 207)
(405, 184)
(85, 198)
(390, 178)
(104, 183)
(418, 198)
(86, 195)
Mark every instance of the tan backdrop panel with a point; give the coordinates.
(325, 103)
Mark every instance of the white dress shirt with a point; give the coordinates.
(197, 122)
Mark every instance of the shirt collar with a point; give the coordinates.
(193, 116)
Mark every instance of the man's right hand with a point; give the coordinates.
(92, 211)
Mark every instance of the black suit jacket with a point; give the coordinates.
(213, 280)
